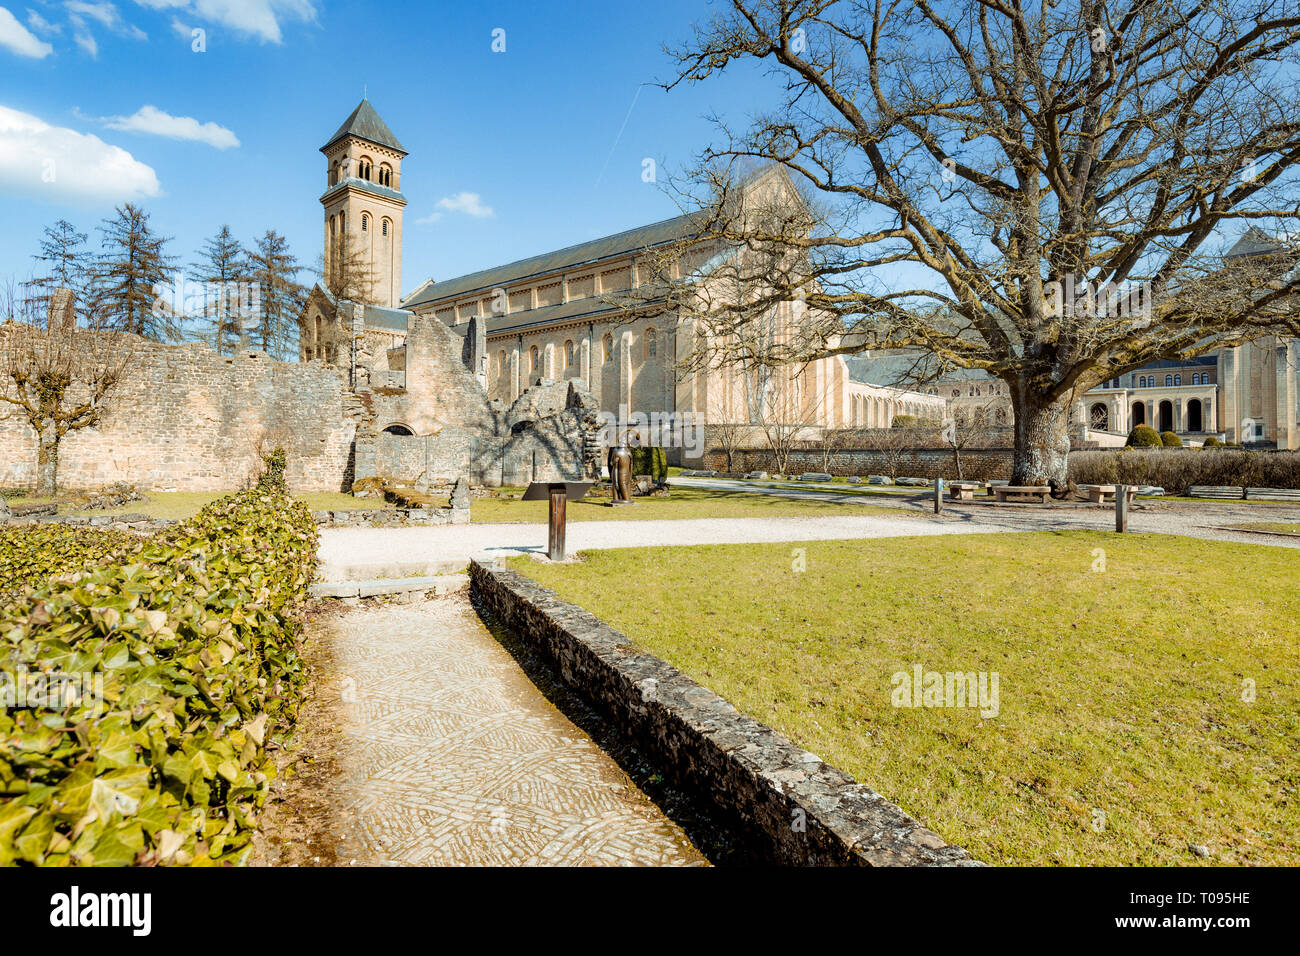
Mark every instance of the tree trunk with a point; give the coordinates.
(1042, 449)
(47, 461)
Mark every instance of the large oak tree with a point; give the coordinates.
(986, 181)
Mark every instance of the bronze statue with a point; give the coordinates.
(620, 474)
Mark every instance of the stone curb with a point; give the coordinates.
(787, 805)
(438, 584)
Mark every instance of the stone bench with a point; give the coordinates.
(1235, 491)
(965, 490)
(1004, 492)
(1105, 494)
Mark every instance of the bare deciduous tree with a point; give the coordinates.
(56, 377)
(1041, 192)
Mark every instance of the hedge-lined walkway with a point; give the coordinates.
(426, 744)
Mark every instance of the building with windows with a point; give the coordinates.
(551, 318)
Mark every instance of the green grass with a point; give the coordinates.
(1121, 690)
(186, 504)
(681, 503)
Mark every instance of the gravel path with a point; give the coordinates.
(397, 552)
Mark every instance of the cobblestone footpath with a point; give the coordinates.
(426, 744)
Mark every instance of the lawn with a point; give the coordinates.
(186, 504)
(681, 503)
(1123, 734)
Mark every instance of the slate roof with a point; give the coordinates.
(632, 240)
(1255, 242)
(382, 317)
(366, 186)
(365, 123)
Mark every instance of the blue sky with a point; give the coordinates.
(103, 102)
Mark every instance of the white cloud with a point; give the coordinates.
(256, 18)
(40, 24)
(154, 122)
(81, 14)
(18, 39)
(471, 204)
(40, 161)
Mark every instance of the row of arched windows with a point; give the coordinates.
(1150, 381)
(569, 354)
(366, 169)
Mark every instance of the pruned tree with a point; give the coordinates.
(831, 442)
(1040, 192)
(132, 267)
(729, 437)
(223, 271)
(274, 271)
(966, 431)
(786, 414)
(57, 379)
(894, 444)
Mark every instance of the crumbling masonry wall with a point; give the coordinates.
(188, 419)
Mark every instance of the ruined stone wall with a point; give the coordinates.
(188, 419)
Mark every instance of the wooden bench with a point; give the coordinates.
(1029, 491)
(1105, 494)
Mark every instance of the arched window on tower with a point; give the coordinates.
(651, 343)
(534, 360)
(365, 222)
(609, 347)
(385, 227)
(365, 168)
(570, 355)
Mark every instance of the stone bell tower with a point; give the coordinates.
(363, 203)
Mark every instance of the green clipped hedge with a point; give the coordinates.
(650, 461)
(193, 633)
(1171, 440)
(1144, 436)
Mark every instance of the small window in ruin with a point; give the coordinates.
(651, 344)
(365, 222)
(385, 227)
(398, 430)
(609, 347)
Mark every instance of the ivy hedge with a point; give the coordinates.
(32, 554)
(190, 638)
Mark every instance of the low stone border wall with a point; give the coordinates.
(113, 522)
(391, 517)
(788, 806)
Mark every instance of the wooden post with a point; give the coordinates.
(1121, 508)
(938, 496)
(555, 538)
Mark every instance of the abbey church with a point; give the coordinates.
(545, 319)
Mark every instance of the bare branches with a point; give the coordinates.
(946, 166)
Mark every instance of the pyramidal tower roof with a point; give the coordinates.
(365, 123)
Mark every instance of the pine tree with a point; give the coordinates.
(274, 271)
(65, 263)
(224, 272)
(132, 262)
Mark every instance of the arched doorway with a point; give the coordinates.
(1166, 414)
(1194, 416)
(1099, 417)
(1139, 414)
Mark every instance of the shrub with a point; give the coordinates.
(1144, 436)
(1212, 442)
(192, 638)
(650, 461)
(1170, 440)
(1176, 473)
